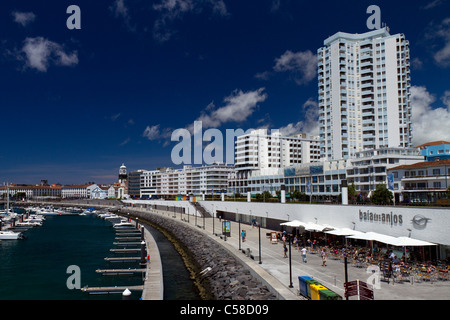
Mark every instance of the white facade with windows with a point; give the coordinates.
(422, 182)
(77, 191)
(369, 168)
(206, 179)
(261, 153)
(364, 93)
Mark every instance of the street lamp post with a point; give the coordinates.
(259, 230)
(240, 234)
(212, 211)
(290, 264)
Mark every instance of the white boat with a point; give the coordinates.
(112, 217)
(36, 217)
(47, 212)
(123, 224)
(9, 235)
(29, 223)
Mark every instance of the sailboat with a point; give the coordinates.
(5, 234)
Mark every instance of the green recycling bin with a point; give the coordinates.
(329, 295)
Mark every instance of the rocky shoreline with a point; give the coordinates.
(217, 273)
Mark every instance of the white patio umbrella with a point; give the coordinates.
(344, 232)
(317, 227)
(376, 237)
(406, 241)
(293, 223)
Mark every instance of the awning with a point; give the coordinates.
(293, 223)
(307, 225)
(406, 241)
(393, 241)
(344, 232)
(376, 237)
(317, 227)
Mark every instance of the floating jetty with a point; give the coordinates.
(125, 250)
(120, 271)
(123, 259)
(109, 290)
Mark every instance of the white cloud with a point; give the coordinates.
(154, 133)
(23, 18)
(428, 123)
(309, 125)
(124, 142)
(438, 36)
(120, 10)
(301, 66)
(238, 107)
(40, 53)
(432, 4)
(171, 10)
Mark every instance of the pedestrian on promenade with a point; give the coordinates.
(324, 257)
(285, 249)
(304, 254)
(243, 235)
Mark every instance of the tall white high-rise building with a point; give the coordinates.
(364, 93)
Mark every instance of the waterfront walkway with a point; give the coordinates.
(274, 268)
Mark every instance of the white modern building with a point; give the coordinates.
(422, 182)
(261, 153)
(369, 168)
(207, 179)
(364, 93)
(77, 191)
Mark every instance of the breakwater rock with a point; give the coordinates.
(218, 273)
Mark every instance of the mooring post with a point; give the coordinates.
(143, 252)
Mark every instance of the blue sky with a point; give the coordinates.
(76, 104)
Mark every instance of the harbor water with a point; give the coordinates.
(36, 268)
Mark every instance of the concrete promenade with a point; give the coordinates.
(274, 269)
(153, 284)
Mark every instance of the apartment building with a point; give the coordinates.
(364, 93)
(261, 153)
(435, 150)
(207, 179)
(29, 192)
(423, 182)
(369, 168)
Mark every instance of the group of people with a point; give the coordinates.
(311, 244)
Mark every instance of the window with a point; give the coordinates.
(436, 172)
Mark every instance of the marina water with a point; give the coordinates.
(36, 268)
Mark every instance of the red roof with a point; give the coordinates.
(433, 143)
(425, 164)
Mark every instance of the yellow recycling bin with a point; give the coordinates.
(315, 289)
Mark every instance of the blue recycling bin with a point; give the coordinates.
(303, 286)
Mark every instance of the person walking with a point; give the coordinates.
(324, 257)
(304, 254)
(285, 249)
(243, 235)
